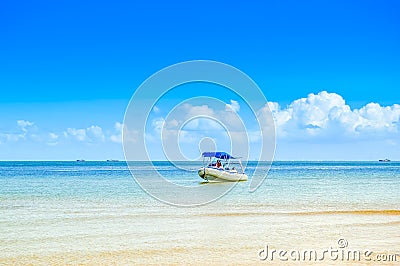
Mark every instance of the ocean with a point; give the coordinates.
(92, 213)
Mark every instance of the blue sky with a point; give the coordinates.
(68, 69)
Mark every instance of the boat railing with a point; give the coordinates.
(226, 165)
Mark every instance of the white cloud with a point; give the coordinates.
(203, 124)
(95, 133)
(118, 126)
(52, 139)
(181, 132)
(90, 134)
(28, 131)
(187, 137)
(78, 134)
(254, 136)
(156, 109)
(326, 115)
(209, 117)
(190, 111)
(24, 124)
(53, 136)
(159, 122)
(10, 137)
(234, 106)
(374, 117)
(190, 122)
(117, 137)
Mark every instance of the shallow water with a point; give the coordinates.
(94, 212)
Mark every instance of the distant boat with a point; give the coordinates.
(80, 160)
(384, 160)
(112, 160)
(216, 171)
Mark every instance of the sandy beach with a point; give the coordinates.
(218, 239)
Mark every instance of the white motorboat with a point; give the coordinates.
(221, 167)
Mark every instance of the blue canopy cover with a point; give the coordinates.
(217, 154)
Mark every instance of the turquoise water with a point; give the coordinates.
(73, 210)
(305, 185)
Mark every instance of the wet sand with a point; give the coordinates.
(189, 236)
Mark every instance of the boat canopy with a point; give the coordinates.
(218, 154)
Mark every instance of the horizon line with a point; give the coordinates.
(117, 160)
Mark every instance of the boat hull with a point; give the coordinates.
(219, 175)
